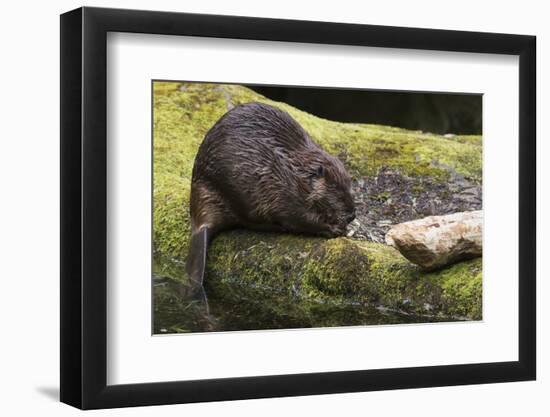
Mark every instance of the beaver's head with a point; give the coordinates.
(330, 195)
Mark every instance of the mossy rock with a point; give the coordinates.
(341, 271)
(245, 263)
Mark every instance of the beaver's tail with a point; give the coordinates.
(196, 259)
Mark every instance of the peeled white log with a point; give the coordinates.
(436, 241)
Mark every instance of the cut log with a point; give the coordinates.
(436, 241)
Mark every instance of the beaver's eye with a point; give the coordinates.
(318, 172)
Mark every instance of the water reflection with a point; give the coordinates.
(174, 312)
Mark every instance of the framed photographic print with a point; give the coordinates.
(257, 208)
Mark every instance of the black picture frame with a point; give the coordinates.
(84, 207)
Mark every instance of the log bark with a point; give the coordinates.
(436, 241)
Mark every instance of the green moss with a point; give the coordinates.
(462, 289)
(261, 260)
(384, 196)
(332, 271)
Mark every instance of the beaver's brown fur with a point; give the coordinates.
(258, 168)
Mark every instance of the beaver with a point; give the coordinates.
(257, 168)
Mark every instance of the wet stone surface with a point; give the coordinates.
(391, 198)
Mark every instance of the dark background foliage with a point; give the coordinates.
(430, 112)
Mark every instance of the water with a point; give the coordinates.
(175, 313)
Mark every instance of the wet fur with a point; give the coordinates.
(258, 168)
